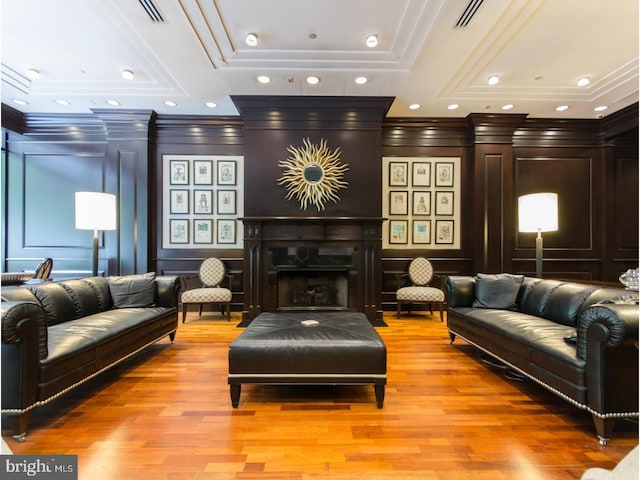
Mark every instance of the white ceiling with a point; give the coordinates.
(538, 47)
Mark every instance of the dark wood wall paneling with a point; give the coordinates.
(593, 164)
(192, 135)
(53, 157)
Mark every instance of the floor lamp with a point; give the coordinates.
(538, 212)
(95, 211)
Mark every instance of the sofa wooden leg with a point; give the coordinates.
(604, 427)
(18, 424)
(452, 337)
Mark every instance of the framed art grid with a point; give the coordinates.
(197, 191)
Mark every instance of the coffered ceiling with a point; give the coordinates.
(191, 52)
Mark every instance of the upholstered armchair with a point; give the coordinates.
(42, 273)
(212, 273)
(420, 273)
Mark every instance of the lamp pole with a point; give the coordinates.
(95, 252)
(539, 254)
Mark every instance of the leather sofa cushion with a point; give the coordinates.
(83, 297)
(132, 291)
(565, 302)
(56, 302)
(100, 287)
(497, 290)
(537, 298)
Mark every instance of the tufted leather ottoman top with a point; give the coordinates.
(308, 343)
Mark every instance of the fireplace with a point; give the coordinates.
(315, 288)
(298, 263)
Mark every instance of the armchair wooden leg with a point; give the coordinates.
(441, 312)
(184, 312)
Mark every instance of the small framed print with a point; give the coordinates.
(178, 231)
(203, 172)
(398, 173)
(444, 231)
(421, 231)
(398, 231)
(398, 202)
(203, 231)
(421, 175)
(203, 202)
(226, 172)
(444, 174)
(226, 231)
(226, 202)
(444, 203)
(421, 203)
(179, 172)
(179, 201)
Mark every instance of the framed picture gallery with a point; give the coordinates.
(202, 196)
(421, 199)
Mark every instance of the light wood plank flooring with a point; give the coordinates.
(167, 415)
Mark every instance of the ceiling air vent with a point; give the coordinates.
(468, 13)
(152, 11)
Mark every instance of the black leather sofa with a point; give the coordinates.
(578, 341)
(58, 335)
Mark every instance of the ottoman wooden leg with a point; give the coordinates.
(234, 391)
(379, 388)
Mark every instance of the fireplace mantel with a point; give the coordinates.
(357, 241)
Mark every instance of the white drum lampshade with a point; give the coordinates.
(95, 211)
(538, 212)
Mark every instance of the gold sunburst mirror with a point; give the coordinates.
(313, 174)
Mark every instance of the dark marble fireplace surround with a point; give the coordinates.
(306, 264)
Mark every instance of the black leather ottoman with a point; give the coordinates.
(314, 348)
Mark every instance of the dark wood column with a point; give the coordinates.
(128, 176)
(493, 208)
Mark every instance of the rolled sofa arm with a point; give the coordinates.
(167, 290)
(607, 324)
(25, 322)
(608, 339)
(459, 290)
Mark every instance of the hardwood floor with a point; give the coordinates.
(167, 415)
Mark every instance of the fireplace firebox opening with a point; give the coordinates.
(313, 288)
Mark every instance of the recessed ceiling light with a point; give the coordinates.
(19, 101)
(313, 80)
(372, 41)
(453, 106)
(127, 74)
(211, 104)
(63, 102)
(361, 80)
(414, 106)
(251, 39)
(33, 74)
(170, 103)
(562, 108)
(493, 80)
(601, 108)
(264, 79)
(508, 106)
(113, 103)
(583, 82)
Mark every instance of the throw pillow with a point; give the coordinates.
(497, 291)
(132, 291)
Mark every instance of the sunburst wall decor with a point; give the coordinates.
(312, 174)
